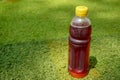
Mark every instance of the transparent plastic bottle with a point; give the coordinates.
(79, 43)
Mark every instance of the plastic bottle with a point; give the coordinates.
(79, 43)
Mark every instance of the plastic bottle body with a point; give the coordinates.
(79, 46)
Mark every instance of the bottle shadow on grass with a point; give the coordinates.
(92, 62)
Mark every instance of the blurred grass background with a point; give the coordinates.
(34, 33)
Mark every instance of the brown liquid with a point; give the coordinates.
(79, 45)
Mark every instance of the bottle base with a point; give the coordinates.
(76, 75)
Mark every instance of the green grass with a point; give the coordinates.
(34, 33)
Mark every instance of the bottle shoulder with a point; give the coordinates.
(80, 22)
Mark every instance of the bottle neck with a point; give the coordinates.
(81, 16)
(80, 21)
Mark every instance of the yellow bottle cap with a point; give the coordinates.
(81, 11)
